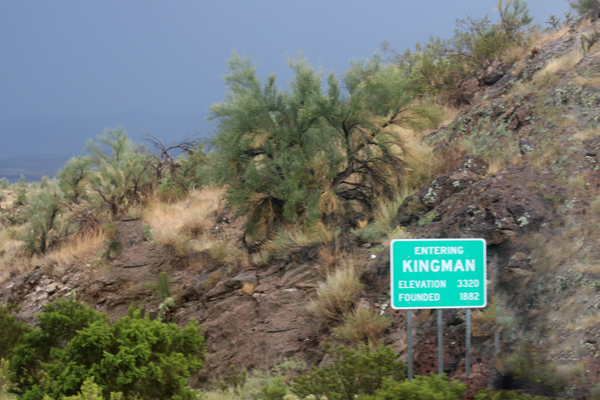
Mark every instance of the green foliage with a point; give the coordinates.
(11, 330)
(582, 7)
(163, 284)
(310, 152)
(141, 358)
(274, 390)
(506, 395)
(513, 20)
(440, 65)
(120, 170)
(530, 363)
(236, 379)
(44, 224)
(91, 391)
(193, 171)
(433, 387)
(149, 235)
(4, 184)
(71, 178)
(352, 372)
(21, 192)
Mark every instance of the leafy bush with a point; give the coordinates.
(4, 184)
(71, 178)
(11, 330)
(120, 170)
(141, 358)
(433, 387)
(4, 365)
(352, 372)
(21, 192)
(582, 7)
(506, 395)
(91, 391)
(274, 390)
(440, 65)
(530, 363)
(44, 227)
(362, 326)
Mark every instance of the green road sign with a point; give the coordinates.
(438, 273)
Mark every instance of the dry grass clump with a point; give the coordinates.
(420, 162)
(329, 255)
(515, 54)
(79, 249)
(483, 316)
(565, 63)
(595, 206)
(588, 81)
(362, 326)
(587, 134)
(383, 229)
(337, 295)
(228, 253)
(188, 217)
(293, 238)
(542, 40)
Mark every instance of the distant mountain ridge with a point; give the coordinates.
(33, 168)
(66, 135)
(40, 146)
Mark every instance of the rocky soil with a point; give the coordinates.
(538, 216)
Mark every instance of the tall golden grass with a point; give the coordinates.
(78, 253)
(188, 217)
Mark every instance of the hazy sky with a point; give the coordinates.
(74, 58)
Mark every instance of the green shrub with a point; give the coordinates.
(531, 363)
(11, 330)
(352, 372)
(72, 177)
(143, 359)
(91, 391)
(289, 156)
(21, 192)
(44, 225)
(4, 184)
(582, 7)
(506, 395)
(274, 390)
(163, 284)
(149, 235)
(432, 387)
(120, 170)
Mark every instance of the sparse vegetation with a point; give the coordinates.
(337, 294)
(351, 373)
(315, 176)
(362, 326)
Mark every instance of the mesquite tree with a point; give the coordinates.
(313, 151)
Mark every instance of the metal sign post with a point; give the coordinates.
(409, 343)
(440, 342)
(468, 344)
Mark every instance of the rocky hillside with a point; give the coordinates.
(527, 180)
